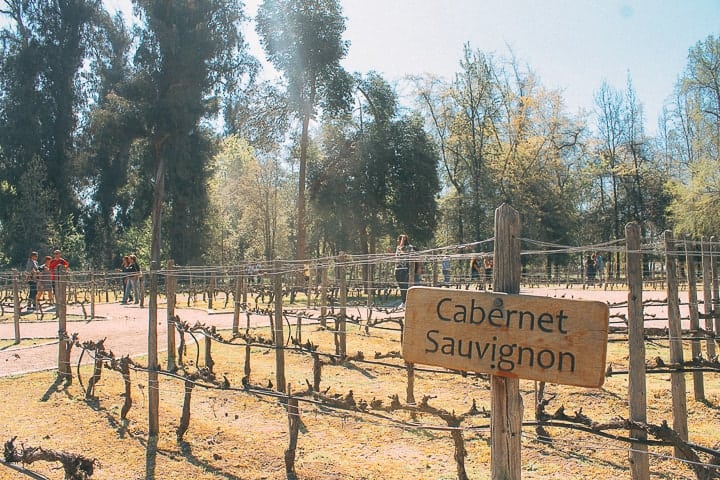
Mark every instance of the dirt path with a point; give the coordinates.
(125, 327)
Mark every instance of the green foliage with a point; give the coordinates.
(45, 44)
(693, 140)
(376, 176)
(135, 240)
(303, 40)
(696, 207)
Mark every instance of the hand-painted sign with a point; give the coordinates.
(537, 338)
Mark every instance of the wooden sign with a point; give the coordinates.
(518, 336)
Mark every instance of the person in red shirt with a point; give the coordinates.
(55, 263)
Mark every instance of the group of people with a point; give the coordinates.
(41, 278)
(131, 279)
(402, 267)
(481, 267)
(594, 268)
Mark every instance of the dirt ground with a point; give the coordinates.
(243, 436)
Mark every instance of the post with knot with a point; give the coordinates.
(707, 297)
(506, 403)
(715, 287)
(341, 323)
(61, 311)
(16, 305)
(239, 297)
(637, 388)
(170, 289)
(279, 337)
(677, 379)
(153, 365)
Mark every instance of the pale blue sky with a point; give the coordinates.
(572, 45)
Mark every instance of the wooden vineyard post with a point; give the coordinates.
(341, 325)
(715, 288)
(707, 297)
(153, 366)
(637, 387)
(311, 271)
(16, 306)
(93, 291)
(211, 291)
(506, 404)
(370, 289)
(677, 379)
(695, 347)
(239, 289)
(323, 296)
(279, 337)
(63, 339)
(294, 428)
(170, 286)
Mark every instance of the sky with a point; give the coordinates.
(573, 45)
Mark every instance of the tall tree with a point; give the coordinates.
(44, 47)
(303, 40)
(188, 54)
(694, 139)
(113, 125)
(376, 174)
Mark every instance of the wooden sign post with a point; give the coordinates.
(509, 336)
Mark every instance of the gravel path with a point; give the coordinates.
(124, 326)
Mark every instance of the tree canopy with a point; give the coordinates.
(111, 134)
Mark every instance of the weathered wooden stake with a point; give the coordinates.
(294, 428)
(695, 348)
(16, 306)
(211, 291)
(93, 292)
(506, 404)
(279, 333)
(341, 325)
(707, 297)
(239, 284)
(61, 311)
(637, 388)
(153, 365)
(170, 289)
(323, 296)
(677, 379)
(715, 288)
(317, 371)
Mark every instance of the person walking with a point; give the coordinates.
(590, 269)
(446, 270)
(32, 270)
(125, 270)
(133, 277)
(402, 266)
